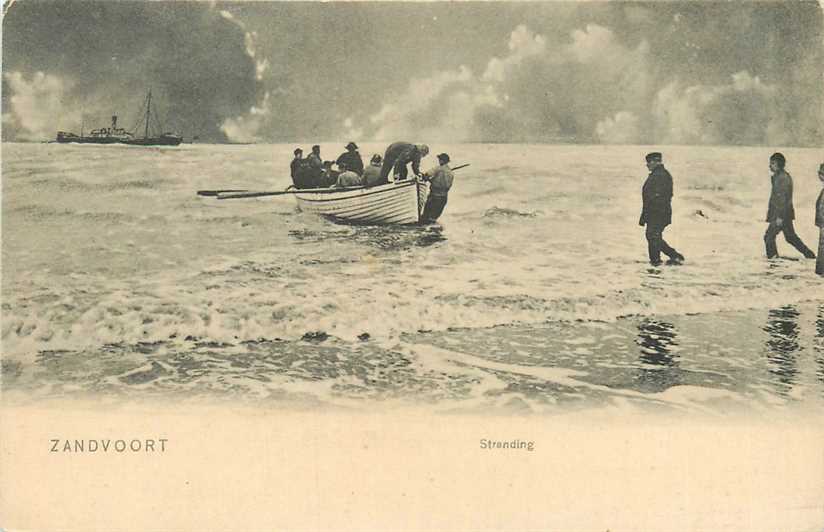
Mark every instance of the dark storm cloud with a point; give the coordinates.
(100, 58)
(615, 72)
(648, 73)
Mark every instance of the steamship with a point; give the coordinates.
(116, 135)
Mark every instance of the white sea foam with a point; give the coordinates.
(109, 257)
(106, 245)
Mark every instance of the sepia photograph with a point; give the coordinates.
(449, 265)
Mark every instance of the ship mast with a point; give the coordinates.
(148, 106)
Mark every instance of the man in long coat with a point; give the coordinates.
(351, 159)
(780, 212)
(657, 210)
(398, 155)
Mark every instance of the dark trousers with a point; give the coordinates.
(434, 208)
(656, 244)
(789, 235)
(393, 160)
(819, 263)
(400, 170)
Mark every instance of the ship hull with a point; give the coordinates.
(166, 140)
(74, 139)
(151, 141)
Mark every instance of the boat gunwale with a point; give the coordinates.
(359, 192)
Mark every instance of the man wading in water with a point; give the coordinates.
(440, 179)
(657, 210)
(780, 213)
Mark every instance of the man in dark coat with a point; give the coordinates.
(657, 210)
(398, 155)
(780, 213)
(314, 168)
(819, 222)
(299, 170)
(351, 159)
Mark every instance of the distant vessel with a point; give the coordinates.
(116, 135)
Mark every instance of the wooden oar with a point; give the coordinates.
(260, 193)
(212, 193)
(239, 194)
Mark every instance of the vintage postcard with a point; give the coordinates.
(412, 266)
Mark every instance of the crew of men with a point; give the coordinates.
(314, 172)
(656, 193)
(656, 212)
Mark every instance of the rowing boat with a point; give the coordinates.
(401, 202)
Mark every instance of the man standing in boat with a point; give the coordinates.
(351, 159)
(780, 212)
(440, 181)
(398, 155)
(298, 168)
(315, 169)
(657, 210)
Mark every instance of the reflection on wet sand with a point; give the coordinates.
(782, 346)
(657, 340)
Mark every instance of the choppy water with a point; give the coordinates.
(532, 295)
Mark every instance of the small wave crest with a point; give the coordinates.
(503, 212)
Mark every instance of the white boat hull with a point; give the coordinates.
(396, 203)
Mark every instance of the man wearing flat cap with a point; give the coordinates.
(780, 212)
(440, 181)
(351, 159)
(657, 210)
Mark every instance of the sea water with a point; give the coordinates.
(532, 294)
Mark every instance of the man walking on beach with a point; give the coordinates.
(780, 213)
(657, 210)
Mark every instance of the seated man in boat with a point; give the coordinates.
(351, 158)
(372, 173)
(328, 176)
(440, 181)
(347, 177)
(398, 155)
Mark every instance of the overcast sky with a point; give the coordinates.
(651, 73)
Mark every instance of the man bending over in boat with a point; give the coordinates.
(440, 181)
(347, 177)
(398, 155)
